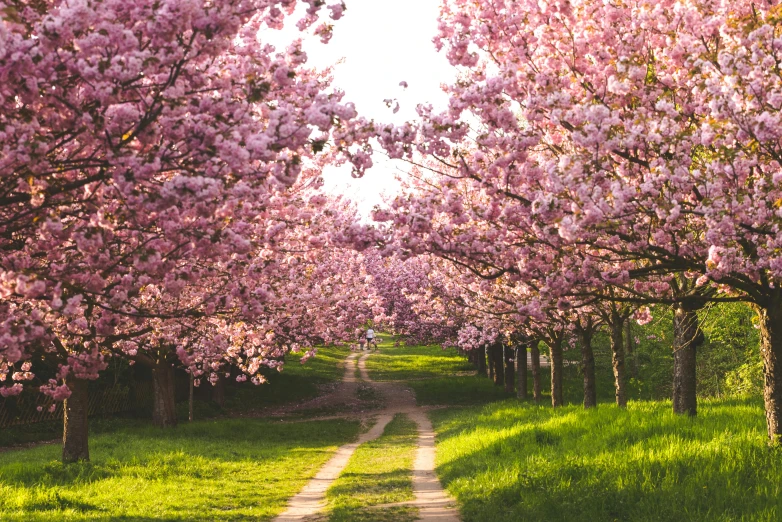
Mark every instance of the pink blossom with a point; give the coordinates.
(10, 391)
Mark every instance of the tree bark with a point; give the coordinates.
(687, 336)
(499, 366)
(490, 360)
(164, 391)
(510, 373)
(521, 371)
(218, 391)
(535, 362)
(630, 347)
(555, 362)
(75, 433)
(588, 369)
(190, 399)
(478, 359)
(770, 321)
(618, 359)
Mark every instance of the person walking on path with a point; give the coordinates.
(371, 338)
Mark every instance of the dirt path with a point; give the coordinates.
(430, 497)
(312, 499)
(432, 501)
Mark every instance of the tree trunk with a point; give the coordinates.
(75, 432)
(218, 391)
(190, 399)
(535, 362)
(687, 336)
(478, 359)
(499, 366)
(507, 352)
(618, 359)
(490, 360)
(521, 371)
(630, 347)
(164, 400)
(555, 362)
(770, 319)
(588, 369)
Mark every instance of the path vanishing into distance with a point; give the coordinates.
(432, 501)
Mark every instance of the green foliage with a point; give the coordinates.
(509, 461)
(379, 472)
(729, 362)
(231, 469)
(746, 380)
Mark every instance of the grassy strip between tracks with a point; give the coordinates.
(379, 472)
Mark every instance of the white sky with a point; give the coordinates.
(381, 43)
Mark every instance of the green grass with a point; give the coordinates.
(437, 376)
(297, 382)
(457, 391)
(509, 461)
(405, 363)
(230, 469)
(379, 472)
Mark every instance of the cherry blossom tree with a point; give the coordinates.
(149, 150)
(646, 131)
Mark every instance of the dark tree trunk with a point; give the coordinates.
(618, 359)
(75, 432)
(478, 359)
(191, 400)
(521, 371)
(687, 336)
(483, 368)
(499, 366)
(490, 360)
(218, 391)
(535, 363)
(164, 400)
(588, 369)
(770, 319)
(555, 362)
(509, 369)
(630, 347)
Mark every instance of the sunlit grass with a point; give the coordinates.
(379, 472)
(416, 362)
(509, 461)
(229, 469)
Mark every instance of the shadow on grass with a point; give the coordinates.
(389, 514)
(369, 482)
(457, 391)
(191, 450)
(508, 462)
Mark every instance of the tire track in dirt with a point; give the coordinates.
(432, 501)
